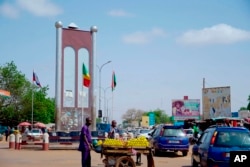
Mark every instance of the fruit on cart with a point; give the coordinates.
(134, 142)
(99, 142)
(113, 142)
(138, 142)
(94, 142)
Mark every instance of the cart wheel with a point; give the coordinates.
(125, 161)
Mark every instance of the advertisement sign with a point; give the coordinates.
(216, 102)
(145, 121)
(186, 109)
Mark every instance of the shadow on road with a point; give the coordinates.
(170, 155)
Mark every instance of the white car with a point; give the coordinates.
(145, 133)
(35, 134)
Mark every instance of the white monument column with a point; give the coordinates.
(93, 92)
(58, 94)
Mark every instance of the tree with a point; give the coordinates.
(18, 107)
(132, 115)
(248, 106)
(160, 116)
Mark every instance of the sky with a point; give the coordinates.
(160, 50)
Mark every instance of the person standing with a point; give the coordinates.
(7, 133)
(113, 130)
(85, 145)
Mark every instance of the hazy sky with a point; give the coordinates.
(160, 50)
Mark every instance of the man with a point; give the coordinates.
(85, 145)
(7, 133)
(196, 131)
(113, 130)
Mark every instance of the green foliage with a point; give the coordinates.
(248, 106)
(18, 107)
(243, 108)
(160, 116)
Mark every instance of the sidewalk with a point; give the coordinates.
(57, 156)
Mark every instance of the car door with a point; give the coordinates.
(198, 147)
(204, 147)
(155, 135)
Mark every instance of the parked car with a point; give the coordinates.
(169, 138)
(214, 145)
(147, 134)
(189, 132)
(142, 132)
(35, 134)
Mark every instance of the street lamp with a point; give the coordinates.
(100, 86)
(105, 103)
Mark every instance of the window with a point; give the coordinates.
(173, 132)
(230, 139)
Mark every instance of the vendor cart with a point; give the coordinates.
(119, 156)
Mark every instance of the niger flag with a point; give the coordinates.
(85, 76)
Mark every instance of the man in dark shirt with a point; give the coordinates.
(85, 145)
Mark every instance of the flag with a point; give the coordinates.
(86, 76)
(35, 79)
(4, 93)
(113, 84)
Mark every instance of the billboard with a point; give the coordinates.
(216, 102)
(186, 109)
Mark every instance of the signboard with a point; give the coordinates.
(186, 109)
(151, 119)
(145, 121)
(216, 102)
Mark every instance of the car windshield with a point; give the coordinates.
(144, 131)
(189, 131)
(173, 132)
(233, 139)
(35, 131)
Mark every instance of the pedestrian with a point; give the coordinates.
(7, 133)
(85, 145)
(196, 131)
(113, 130)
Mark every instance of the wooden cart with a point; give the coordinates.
(115, 156)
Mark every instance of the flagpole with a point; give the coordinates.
(112, 104)
(82, 104)
(32, 115)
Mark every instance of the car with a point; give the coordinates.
(167, 138)
(35, 134)
(189, 132)
(215, 144)
(142, 131)
(147, 134)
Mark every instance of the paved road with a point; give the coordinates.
(71, 158)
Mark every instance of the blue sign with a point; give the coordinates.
(151, 118)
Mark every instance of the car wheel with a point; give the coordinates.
(184, 153)
(193, 162)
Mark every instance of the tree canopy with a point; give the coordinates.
(24, 95)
